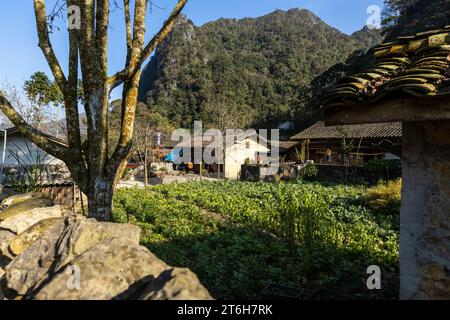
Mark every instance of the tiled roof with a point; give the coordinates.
(285, 145)
(413, 66)
(373, 130)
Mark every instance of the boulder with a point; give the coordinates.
(21, 205)
(58, 246)
(18, 198)
(32, 266)
(5, 239)
(22, 221)
(82, 235)
(24, 240)
(176, 284)
(109, 270)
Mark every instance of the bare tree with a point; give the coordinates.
(143, 142)
(89, 161)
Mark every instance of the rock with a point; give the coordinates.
(18, 199)
(2, 272)
(58, 246)
(32, 265)
(82, 235)
(22, 221)
(109, 270)
(5, 238)
(21, 205)
(176, 284)
(24, 240)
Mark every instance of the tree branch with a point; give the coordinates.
(162, 34)
(101, 33)
(131, 69)
(45, 44)
(71, 97)
(126, 5)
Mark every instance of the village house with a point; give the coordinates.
(351, 145)
(410, 82)
(245, 150)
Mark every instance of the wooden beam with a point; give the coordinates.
(399, 110)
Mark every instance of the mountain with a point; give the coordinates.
(241, 73)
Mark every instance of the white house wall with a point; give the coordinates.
(17, 144)
(236, 155)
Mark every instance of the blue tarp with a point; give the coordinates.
(174, 155)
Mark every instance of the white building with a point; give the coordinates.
(250, 149)
(242, 152)
(18, 145)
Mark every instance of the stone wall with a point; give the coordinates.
(47, 255)
(425, 212)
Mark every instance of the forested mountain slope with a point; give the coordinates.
(249, 72)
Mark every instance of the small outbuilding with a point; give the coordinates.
(410, 83)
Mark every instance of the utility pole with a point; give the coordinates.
(3, 154)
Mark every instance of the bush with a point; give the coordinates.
(385, 169)
(309, 171)
(386, 196)
(301, 215)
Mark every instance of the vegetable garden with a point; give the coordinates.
(238, 237)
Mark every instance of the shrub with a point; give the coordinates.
(309, 171)
(302, 215)
(386, 196)
(386, 169)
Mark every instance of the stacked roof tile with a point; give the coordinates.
(412, 66)
(373, 130)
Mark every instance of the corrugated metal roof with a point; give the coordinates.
(416, 66)
(15, 130)
(373, 130)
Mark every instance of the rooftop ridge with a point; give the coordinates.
(412, 66)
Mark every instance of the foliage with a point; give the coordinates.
(310, 170)
(386, 196)
(242, 73)
(302, 215)
(408, 17)
(147, 124)
(235, 236)
(384, 168)
(42, 92)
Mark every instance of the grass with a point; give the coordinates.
(238, 237)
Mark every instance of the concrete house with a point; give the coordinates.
(410, 83)
(246, 150)
(241, 152)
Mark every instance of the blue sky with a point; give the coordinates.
(20, 56)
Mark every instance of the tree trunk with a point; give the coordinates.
(100, 200)
(95, 172)
(146, 170)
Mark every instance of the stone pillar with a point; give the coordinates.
(425, 212)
